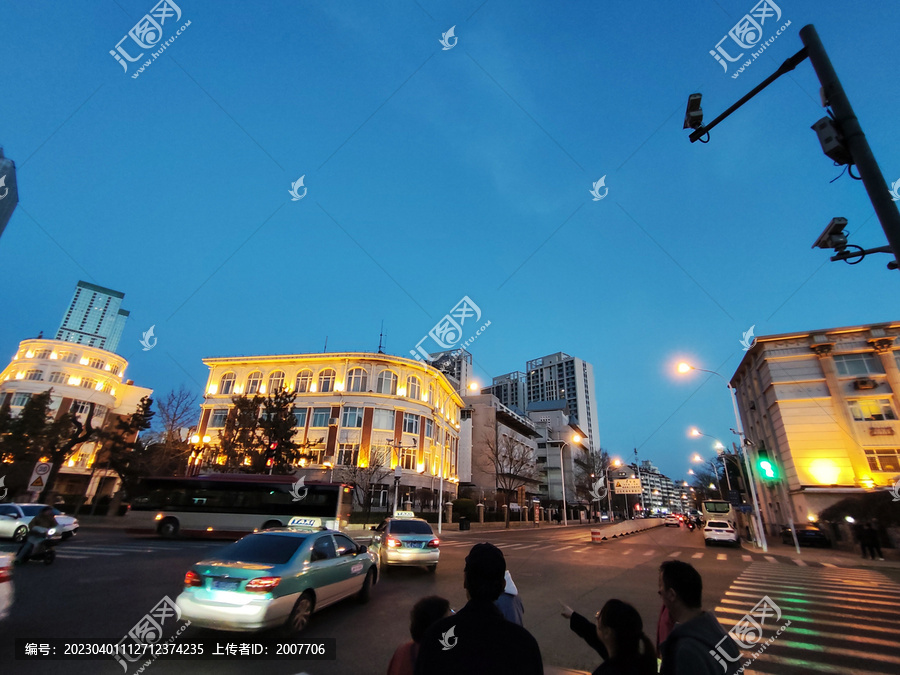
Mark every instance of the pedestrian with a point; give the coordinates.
(868, 539)
(698, 644)
(423, 614)
(558, 517)
(509, 603)
(664, 625)
(477, 639)
(618, 637)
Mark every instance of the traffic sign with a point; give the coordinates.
(37, 481)
(627, 486)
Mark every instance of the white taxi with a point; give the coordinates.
(406, 540)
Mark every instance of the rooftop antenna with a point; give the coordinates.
(326, 345)
(381, 339)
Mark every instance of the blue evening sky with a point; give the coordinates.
(434, 174)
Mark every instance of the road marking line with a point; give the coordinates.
(747, 558)
(799, 562)
(697, 555)
(580, 550)
(721, 556)
(770, 559)
(650, 552)
(674, 554)
(563, 548)
(828, 565)
(627, 552)
(72, 557)
(526, 545)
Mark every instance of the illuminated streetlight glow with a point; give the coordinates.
(696, 458)
(576, 438)
(684, 367)
(695, 431)
(473, 386)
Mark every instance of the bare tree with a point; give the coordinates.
(511, 461)
(365, 478)
(177, 410)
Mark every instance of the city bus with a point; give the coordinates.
(234, 504)
(718, 509)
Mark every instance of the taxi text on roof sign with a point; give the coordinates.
(404, 514)
(297, 521)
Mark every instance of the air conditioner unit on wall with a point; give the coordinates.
(333, 421)
(865, 383)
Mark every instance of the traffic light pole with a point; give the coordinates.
(751, 477)
(847, 122)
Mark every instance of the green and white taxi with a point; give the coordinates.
(278, 577)
(406, 540)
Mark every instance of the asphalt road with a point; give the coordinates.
(104, 581)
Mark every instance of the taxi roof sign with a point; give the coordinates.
(404, 514)
(297, 521)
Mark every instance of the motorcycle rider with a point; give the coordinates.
(38, 532)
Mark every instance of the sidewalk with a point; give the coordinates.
(835, 556)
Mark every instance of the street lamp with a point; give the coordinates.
(398, 474)
(739, 430)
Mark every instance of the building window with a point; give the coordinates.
(383, 419)
(408, 458)
(348, 454)
(304, 379)
(326, 380)
(357, 380)
(413, 387)
(218, 417)
(387, 383)
(315, 455)
(42, 354)
(276, 381)
(81, 408)
(68, 357)
(884, 460)
(300, 417)
(429, 428)
(352, 417)
(97, 363)
(88, 383)
(320, 417)
(857, 364)
(253, 383)
(20, 399)
(58, 377)
(34, 375)
(379, 494)
(410, 423)
(432, 394)
(872, 409)
(114, 368)
(226, 384)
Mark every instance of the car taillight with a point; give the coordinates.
(434, 543)
(392, 542)
(192, 579)
(5, 574)
(262, 584)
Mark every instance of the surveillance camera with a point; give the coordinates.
(693, 116)
(833, 236)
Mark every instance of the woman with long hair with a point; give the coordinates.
(618, 636)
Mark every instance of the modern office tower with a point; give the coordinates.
(94, 317)
(510, 389)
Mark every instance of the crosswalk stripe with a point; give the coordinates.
(627, 552)
(579, 550)
(721, 556)
(563, 548)
(747, 558)
(697, 555)
(650, 552)
(69, 556)
(675, 554)
(799, 562)
(771, 558)
(829, 564)
(529, 546)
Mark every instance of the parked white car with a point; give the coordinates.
(14, 520)
(6, 584)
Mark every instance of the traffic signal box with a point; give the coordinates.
(767, 469)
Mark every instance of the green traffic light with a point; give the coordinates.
(768, 469)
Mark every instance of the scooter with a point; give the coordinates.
(41, 547)
(690, 525)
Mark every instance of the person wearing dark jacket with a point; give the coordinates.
(618, 637)
(424, 613)
(38, 533)
(509, 602)
(478, 639)
(698, 644)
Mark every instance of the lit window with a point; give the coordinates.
(357, 380)
(408, 458)
(413, 387)
(326, 380)
(352, 417)
(276, 381)
(226, 384)
(42, 354)
(383, 419)
(348, 454)
(304, 379)
(887, 459)
(387, 383)
(88, 383)
(97, 363)
(34, 375)
(68, 357)
(872, 409)
(58, 377)
(253, 382)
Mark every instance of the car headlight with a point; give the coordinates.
(51, 531)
